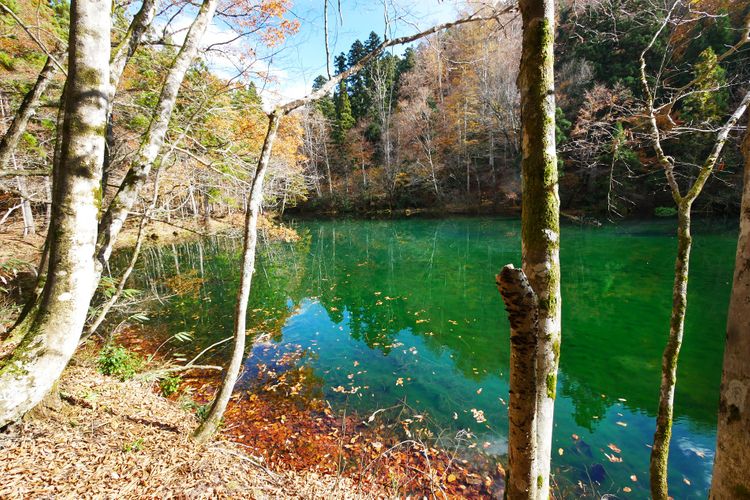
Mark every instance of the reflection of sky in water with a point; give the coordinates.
(375, 302)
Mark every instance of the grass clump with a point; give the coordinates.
(119, 362)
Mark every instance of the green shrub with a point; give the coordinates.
(117, 361)
(665, 211)
(170, 385)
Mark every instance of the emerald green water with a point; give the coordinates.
(373, 302)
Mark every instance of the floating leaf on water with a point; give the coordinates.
(634, 478)
(614, 448)
(622, 424)
(399, 381)
(686, 481)
(627, 489)
(575, 437)
(613, 458)
(479, 391)
(560, 451)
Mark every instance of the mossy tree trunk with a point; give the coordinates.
(143, 161)
(532, 295)
(52, 329)
(731, 477)
(208, 427)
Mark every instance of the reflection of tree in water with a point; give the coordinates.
(392, 279)
(433, 279)
(210, 267)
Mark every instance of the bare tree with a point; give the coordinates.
(684, 202)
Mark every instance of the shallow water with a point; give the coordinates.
(408, 310)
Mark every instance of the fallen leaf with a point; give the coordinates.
(621, 424)
(627, 489)
(634, 478)
(560, 451)
(614, 448)
(451, 478)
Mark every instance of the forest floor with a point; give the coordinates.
(97, 436)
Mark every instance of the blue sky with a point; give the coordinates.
(303, 55)
(295, 64)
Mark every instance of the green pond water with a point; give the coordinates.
(372, 302)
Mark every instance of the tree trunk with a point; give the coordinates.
(523, 312)
(663, 434)
(731, 479)
(120, 56)
(208, 428)
(540, 236)
(25, 112)
(119, 208)
(53, 328)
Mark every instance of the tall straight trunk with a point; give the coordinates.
(25, 112)
(532, 295)
(119, 208)
(732, 463)
(208, 428)
(52, 330)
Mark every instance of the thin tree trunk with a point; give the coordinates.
(730, 478)
(663, 434)
(25, 112)
(52, 330)
(117, 212)
(208, 428)
(540, 236)
(133, 260)
(120, 56)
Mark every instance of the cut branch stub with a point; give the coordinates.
(523, 312)
(520, 300)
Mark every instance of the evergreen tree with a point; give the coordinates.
(710, 99)
(344, 118)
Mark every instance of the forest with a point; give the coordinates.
(304, 249)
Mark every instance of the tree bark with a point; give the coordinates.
(540, 237)
(730, 478)
(523, 313)
(208, 428)
(52, 330)
(663, 434)
(127, 194)
(25, 112)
